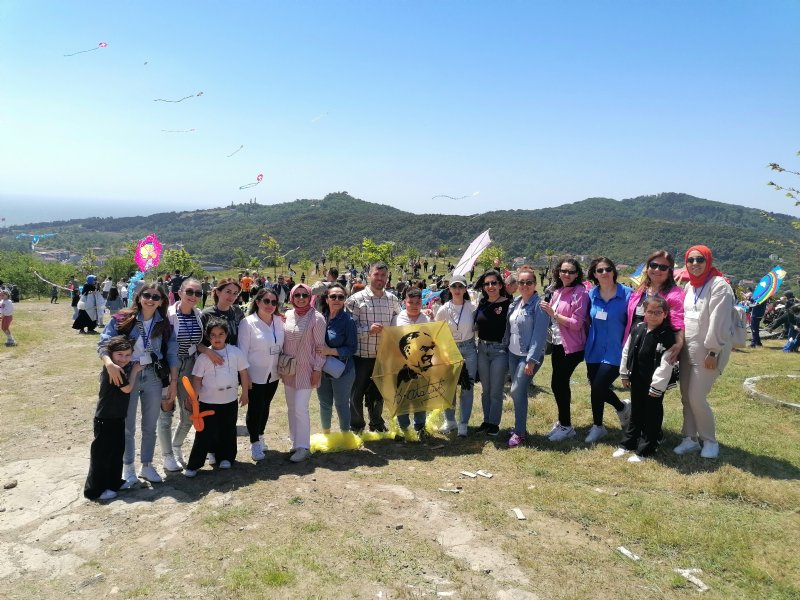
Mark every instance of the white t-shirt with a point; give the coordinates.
(6, 308)
(404, 319)
(514, 321)
(107, 285)
(261, 345)
(220, 383)
(460, 318)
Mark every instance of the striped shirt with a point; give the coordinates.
(189, 333)
(367, 308)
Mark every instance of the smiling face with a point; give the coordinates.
(150, 299)
(696, 263)
(121, 357)
(567, 274)
(267, 304)
(656, 271)
(418, 351)
(301, 298)
(491, 285)
(191, 294)
(527, 285)
(604, 273)
(378, 278)
(227, 296)
(217, 337)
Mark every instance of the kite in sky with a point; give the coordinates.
(472, 195)
(254, 184)
(478, 245)
(197, 95)
(768, 285)
(100, 45)
(178, 130)
(35, 237)
(235, 151)
(148, 252)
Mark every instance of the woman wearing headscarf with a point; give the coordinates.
(88, 308)
(304, 335)
(707, 309)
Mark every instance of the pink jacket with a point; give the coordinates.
(674, 298)
(573, 303)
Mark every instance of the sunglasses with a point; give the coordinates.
(338, 297)
(153, 297)
(568, 272)
(490, 283)
(658, 266)
(695, 259)
(195, 293)
(526, 282)
(602, 270)
(457, 286)
(299, 295)
(268, 301)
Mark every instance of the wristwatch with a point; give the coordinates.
(712, 354)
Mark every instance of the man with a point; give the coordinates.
(511, 284)
(320, 287)
(246, 282)
(175, 285)
(282, 289)
(107, 285)
(373, 309)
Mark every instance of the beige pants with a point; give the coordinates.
(696, 382)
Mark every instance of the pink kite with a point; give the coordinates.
(100, 45)
(254, 184)
(148, 252)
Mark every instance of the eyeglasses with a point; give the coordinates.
(338, 297)
(601, 270)
(658, 266)
(526, 282)
(695, 259)
(490, 283)
(190, 292)
(654, 313)
(567, 272)
(153, 297)
(300, 295)
(457, 286)
(268, 301)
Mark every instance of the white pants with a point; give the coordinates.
(698, 419)
(299, 419)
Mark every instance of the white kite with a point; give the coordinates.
(478, 245)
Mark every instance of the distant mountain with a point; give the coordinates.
(742, 239)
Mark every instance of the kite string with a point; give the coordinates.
(51, 283)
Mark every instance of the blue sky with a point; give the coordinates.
(531, 104)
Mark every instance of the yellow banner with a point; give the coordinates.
(417, 368)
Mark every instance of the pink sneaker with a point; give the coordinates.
(515, 440)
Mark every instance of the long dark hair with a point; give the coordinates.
(593, 269)
(670, 282)
(257, 298)
(222, 284)
(126, 318)
(325, 309)
(501, 284)
(578, 268)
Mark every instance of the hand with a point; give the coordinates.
(167, 404)
(626, 383)
(244, 399)
(711, 362)
(114, 373)
(530, 369)
(172, 391)
(547, 308)
(673, 353)
(654, 394)
(375, 328)
(215, 358)
(316, 377)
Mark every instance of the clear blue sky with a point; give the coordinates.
(530, 103)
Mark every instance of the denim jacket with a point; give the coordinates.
(340, 333)
(533, 328)
(111, 330)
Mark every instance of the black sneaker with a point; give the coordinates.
(484, 426)
(492, 430)
(378, 428)
(423, 434)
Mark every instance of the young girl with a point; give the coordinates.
(217, 388)
(7, 315)
(646, 371)
(108, 447)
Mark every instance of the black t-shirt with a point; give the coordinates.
(491, 319)
(113, 402)
(233, 315)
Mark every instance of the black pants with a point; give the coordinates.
(205, 297)
(601, 376)
(365, 392)
(755, 327)
(563, 367)
(218, 435)
(647, 415)
(105, 462)
(261, 395)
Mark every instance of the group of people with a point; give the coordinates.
(328, 340)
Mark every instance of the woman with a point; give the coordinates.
(458, 312)
(184, 319)
(225, 295)
(88, 309)
(412, 315)
(114, 300)
(491, 318)
(304, 335)
(341, 342)
(567, 309)
(261, 340)
(603, 354)
(146, 324)
(659, 280)
(707, 310)
(527, 336)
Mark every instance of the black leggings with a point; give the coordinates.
(218, 435)
(601, 377)
(563, 367)
(647, 415)
(261, 396)
(105, 464)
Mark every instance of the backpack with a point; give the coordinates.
(738, 327)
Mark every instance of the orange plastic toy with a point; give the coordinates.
(197, 416)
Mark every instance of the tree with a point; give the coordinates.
(88, 263)
(272, 250)
(240, 258)
(335, 254)
(790, 191)
(120, 266)
(486, 259)
(181, 260)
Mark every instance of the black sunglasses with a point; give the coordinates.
(491, 283)
(658, 266)
(336, 296)
(300, 295)
(696, 259)
(268, 301)
(153, 297)
(195, 293)
(567, 272)
(601, 270)
(526, 282)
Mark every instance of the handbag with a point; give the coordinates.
(333, 367)
(287, 364)
(548, 344)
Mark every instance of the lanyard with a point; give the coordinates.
(700, 293)
(146, 335)
(274, 335)
(461, 312)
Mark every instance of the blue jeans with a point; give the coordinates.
(419, 420)
(336, 391)
(166, 439)
(470, 354)
(519, 392)
(147, 388)
(492, 369)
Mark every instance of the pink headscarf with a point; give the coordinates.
(301, 311)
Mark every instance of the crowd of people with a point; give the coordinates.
(326, 338)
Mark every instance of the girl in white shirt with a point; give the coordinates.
(7, 315)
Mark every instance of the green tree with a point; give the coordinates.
(335, 254)
(272, 250)
(181, 260)
(487, 257)
(120, 266)
(88, 263)
(240, 258)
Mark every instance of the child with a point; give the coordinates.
(646, 371)
(217, 387)
(105, 465)
(7, 315)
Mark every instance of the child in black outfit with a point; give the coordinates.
(105, 465)
(645, 370)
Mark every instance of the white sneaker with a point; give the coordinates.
(212, 460)
(177, 452)
(686, 446)
(619, 453)
(129, 475)
(170, 464)
(300, 455)
(624, 414)
(462, 430)
(556, 425)
(562, 433)
(224, 464)
(636, 459)
(189, 473)
(108, 495)
(149, 473)
(256, 452)
(263, 443)
(595, 433)
(710, 450)
(448, 427)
